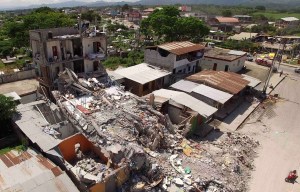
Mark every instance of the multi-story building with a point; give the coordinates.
(55, 49)
(134, 16)
(176, 57)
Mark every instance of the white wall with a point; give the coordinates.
(34, 46)
(154, 58)
(69, 47)
(88, 66)
(87, 44)
(234, 66)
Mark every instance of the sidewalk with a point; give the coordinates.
(274, 81)
(241, 113)
(290, 65)
(238, 116)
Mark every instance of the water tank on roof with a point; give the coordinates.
(50, 35)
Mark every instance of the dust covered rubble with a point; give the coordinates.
(159, 158)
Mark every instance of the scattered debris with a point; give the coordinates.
(159, 157)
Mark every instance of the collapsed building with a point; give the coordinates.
(121, 143)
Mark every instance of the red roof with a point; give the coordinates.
(227, 19)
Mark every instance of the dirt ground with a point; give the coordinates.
(23, 87)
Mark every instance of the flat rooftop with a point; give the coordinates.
(142, 73)
(214, 94)
(223, 54)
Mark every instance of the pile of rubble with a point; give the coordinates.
(160, 158)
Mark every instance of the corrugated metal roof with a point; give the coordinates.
(214, 94)
(223, 54)
(184, 85)
(243, 36)
(186, 100)
(253, 82)
(14, 95)
(179, 48)
(226, 81)
(165, 93)
(290, 19)
(31, 174)
(227, 19)
(200, 107)
(242, 16)
(142, 73)
(31, 122)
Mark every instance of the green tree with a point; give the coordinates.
(260, 8)
(227, 13)
(168, 24)
(41, 18)
(6, 48)
(7, 108)
(264, 28)
(91, 16)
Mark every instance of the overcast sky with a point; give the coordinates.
(18, 3)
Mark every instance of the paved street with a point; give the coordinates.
(276, 127)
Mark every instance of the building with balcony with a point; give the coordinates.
(59, 48)
(175, 57)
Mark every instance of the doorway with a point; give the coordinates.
(226, 68)
(215, 66)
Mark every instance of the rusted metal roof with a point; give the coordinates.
(29, 171)
(227, 19)
(179, 48)
(223, 54)
(225, 81)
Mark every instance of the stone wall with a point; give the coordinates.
(17, 76)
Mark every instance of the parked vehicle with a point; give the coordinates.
(297, 70)
(291, 178)
(264, 62)
(249, 57)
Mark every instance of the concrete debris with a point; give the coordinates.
(129, 131)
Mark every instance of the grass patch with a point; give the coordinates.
(277, 15)
(16, 65)
(294, 62)
(17, 147)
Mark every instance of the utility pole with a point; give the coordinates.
(284, 45)
(271, 70)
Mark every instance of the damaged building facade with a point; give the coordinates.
(55, 49)
(176, 57)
